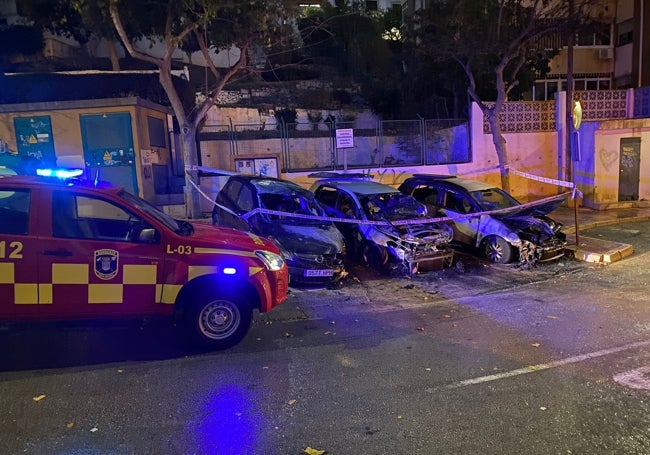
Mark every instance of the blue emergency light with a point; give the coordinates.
(60, 173)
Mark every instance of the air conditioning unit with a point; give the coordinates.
(606, 53)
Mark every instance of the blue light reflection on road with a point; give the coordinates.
(228, 422)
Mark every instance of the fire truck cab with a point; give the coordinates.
(77, 249)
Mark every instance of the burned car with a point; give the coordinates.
(288, 215)
(511, 231)
(386, 228)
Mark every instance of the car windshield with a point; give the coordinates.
(494, 199)
(290, 199)
(391, 206)
(178, 226)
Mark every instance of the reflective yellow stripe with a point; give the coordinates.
(166, 293)
(45, 293)
(105, 293)
(253, 270)
(7, 273)
(25, 293)
(139, 274)
(256, 239)
(197, 270)
(199, 250)
(69, 273)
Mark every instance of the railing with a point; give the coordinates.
(313, 146)
(307, 146)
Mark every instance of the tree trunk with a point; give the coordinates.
(500, 147)
(112, 52)
(188, 144)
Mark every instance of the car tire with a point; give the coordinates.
(375, 255)
(218, 322)
(496, 249)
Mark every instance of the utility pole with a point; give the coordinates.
(568, 124)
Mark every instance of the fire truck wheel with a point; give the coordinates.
(219, 322)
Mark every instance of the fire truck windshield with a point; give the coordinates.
(178, 226)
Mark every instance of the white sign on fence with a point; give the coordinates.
(344, 138)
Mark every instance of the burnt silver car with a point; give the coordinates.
(513, 232)
(386, 228)
(288, 215)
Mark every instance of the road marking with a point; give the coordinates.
(635, 379)
(547, 366)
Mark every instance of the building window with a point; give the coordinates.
(598, 34)
(545, 90)
(625, 32)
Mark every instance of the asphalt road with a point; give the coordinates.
(476, 359)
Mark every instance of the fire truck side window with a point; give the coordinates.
(76, 216)
(14, 211)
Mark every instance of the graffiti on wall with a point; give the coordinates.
(608, 157)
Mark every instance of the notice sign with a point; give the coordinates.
(344, 138)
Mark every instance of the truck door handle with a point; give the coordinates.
(60, 252)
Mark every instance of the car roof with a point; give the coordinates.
(451, 180)
(362, 187)
(34, 180)
(271, 185)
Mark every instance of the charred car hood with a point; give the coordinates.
(230, 238)
(531, 210)
(418, 233)
(322, 239)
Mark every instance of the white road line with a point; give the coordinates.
(546, 366)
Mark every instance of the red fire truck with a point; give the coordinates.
(77, 249)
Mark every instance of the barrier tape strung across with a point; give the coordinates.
(414, 221)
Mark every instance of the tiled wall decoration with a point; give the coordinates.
(525, 117)
(602, 104)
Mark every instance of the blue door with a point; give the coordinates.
(108, 148)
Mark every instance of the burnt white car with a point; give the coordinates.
(512, 232)
(381, 225)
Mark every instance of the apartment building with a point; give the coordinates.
(608, 55)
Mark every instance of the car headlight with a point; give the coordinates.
(272, 261)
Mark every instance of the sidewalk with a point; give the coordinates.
(592, 249)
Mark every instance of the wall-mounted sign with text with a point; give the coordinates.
(344, 138)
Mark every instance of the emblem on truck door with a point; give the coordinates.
(106, 262)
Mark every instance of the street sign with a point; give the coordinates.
(344, 138)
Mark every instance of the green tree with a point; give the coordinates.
(495, 44)
(362, 45)
(214, 25)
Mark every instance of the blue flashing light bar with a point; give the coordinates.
(229, 271)
(60, 173)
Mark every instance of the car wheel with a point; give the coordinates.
(375, 255)
(218, 322)
(496, 249)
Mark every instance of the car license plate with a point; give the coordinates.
(319, 272)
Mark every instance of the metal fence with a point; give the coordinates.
(313, 146)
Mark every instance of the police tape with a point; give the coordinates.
(575, 192)
(412, 221)
(543, 179)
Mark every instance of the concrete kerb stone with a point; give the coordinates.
(600, 251)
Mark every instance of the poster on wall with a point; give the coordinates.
(266, 167)
(34, 141)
